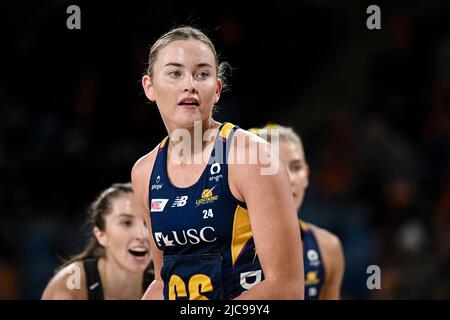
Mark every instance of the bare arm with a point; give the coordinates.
(334, 263)
(67, 284)
(274, 225)
(155, 289)
(140, 177)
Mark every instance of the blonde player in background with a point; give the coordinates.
(323, 256)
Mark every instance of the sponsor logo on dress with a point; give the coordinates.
(214, 171)
(313, 257)
(251, 275)
(207, 197)
(156, 186)
(158, 205)
(180, 201)
(311, 278)
(183, 237)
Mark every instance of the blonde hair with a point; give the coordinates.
(286, 134)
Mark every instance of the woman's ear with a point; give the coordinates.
(218, 90)
(101, 236)
(148, 87)
(307, 175)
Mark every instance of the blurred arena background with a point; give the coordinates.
(372, 107)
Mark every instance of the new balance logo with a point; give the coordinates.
(180, 201)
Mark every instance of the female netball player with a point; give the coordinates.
(323, 256)
(220, 230)
(115, 263)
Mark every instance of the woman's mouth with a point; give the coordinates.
(189, 103)
(138, 252)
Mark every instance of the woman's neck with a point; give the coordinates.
(188, 144)
(118, 283)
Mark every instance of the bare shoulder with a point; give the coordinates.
(141, 172)
(250, 151)
(251, 162)
(244, 139)
(144, 165)
(329, 243)
(332, 251)
(68, 283)
(333, 262)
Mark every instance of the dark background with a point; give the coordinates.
(372, 107)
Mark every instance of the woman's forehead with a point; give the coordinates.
(291, 150)
(124, 203)
(186, 52)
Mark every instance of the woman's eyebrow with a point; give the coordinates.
(204, 65)
(125, 215)
(295, 161)
(173, 64)
(176, 64)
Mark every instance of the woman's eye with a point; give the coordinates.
(175, 74)
(126, 223)
(202, 75)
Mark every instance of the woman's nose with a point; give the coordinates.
(290, 176)
(190, 85)
(141, 233)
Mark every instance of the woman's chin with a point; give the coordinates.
(138, 263)
(188, 121)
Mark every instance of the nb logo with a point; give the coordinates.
(180, 201)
